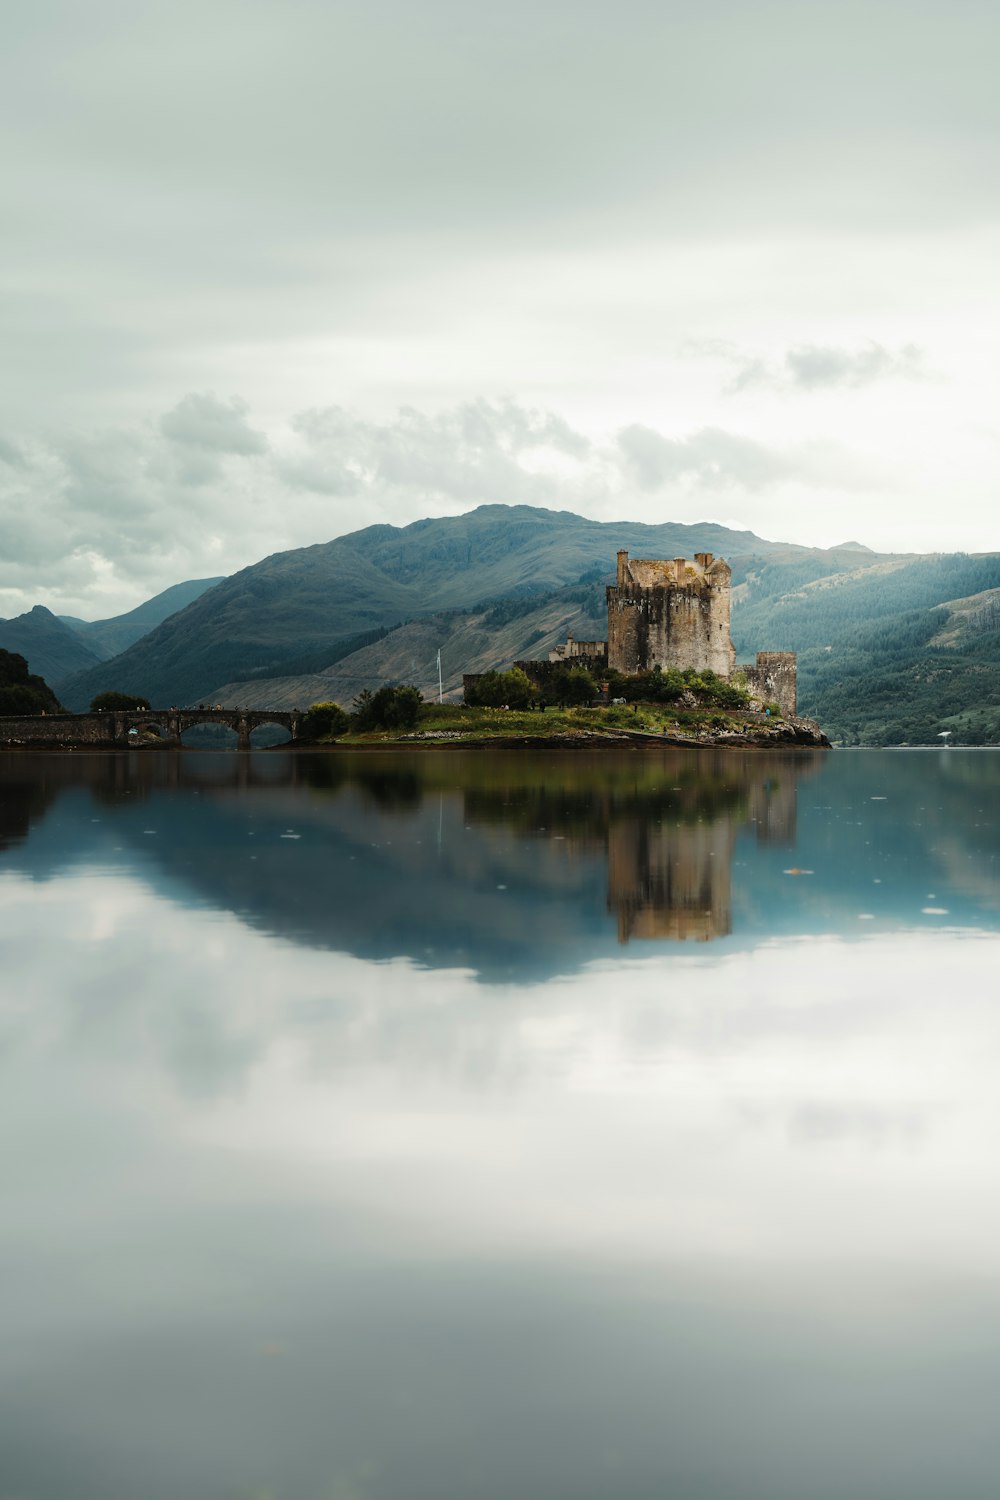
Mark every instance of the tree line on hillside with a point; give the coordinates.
(779, 615)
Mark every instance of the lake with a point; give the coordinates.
(560, 1126)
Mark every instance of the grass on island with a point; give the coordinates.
(462, 722)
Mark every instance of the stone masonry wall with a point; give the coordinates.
(670, 614)
(54, 729)
(775, 679)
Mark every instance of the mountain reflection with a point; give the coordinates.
(509, 864)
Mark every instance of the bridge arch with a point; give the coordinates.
(207, 731)
(266, 733)
(147, 726)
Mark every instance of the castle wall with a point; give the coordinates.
(573, 649)
(670, 614)
(775, 679)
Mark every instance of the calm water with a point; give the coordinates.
(566, 1128)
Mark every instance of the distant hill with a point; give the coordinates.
(107, 638)
(469, 641)
(891, 652)
(51, 649)
(298, 613)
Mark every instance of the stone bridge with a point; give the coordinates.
(123, 729)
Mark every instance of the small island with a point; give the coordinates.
(666, 673)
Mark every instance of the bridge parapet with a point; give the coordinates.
(115, 728)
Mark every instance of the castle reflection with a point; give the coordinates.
(668, 830)
(673, 880)
(508, 863)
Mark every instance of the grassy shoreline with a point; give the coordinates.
(442, 725)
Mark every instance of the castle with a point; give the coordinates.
(676, 614)
(671, 614)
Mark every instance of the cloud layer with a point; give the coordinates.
(628, 258)
(202, 488)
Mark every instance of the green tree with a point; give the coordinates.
(322, 720)
(113, 701)
(397, 707)
(387, 708)
(485, 691)
(361, 710)
(513, 689)
(520, 688)
(573, 685)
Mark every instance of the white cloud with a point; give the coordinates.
(479, 451)
(813, 367)
(129, 510)
(711, 458)
(205, 422)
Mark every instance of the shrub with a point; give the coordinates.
(670, 686)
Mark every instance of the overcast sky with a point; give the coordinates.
(276, 269)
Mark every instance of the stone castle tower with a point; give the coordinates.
(671, 614)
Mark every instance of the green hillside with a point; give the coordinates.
(893, 653)
(469, 641)
(107, 638)
(303, 609)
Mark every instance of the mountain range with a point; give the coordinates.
(892, 648)
(300, 612)
(57, 646)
